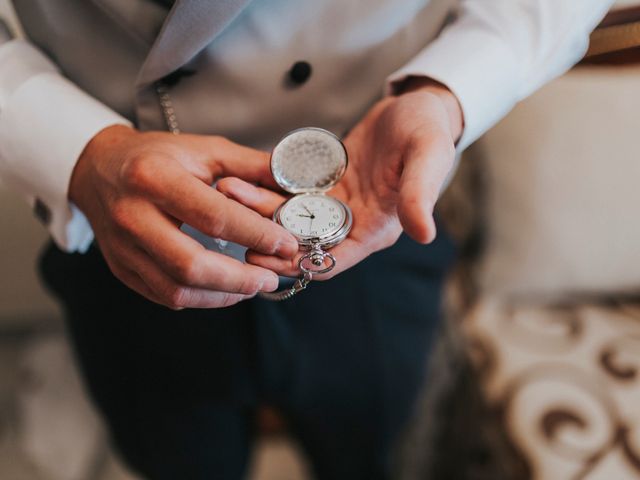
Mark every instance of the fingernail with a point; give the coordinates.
(432, 230)
(287, 248)
(269, 283)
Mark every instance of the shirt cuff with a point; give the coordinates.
(479, 69)
(45, 124)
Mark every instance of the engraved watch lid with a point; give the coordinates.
(308, 160)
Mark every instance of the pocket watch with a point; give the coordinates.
(307, 163)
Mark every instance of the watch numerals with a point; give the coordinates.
(318, 217)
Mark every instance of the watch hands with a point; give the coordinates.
(311, 215)
(308, 211)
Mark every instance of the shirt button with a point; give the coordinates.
(300, 72)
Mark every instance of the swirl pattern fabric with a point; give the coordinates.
(565, 384)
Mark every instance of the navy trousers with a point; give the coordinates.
(343, 363)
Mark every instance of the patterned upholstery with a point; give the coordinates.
(564, 381)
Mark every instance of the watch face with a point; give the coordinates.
(313, 216)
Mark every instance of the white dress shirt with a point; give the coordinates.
(493, 54)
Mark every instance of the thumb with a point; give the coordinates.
(427, 163)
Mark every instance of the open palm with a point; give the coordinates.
(400, 155)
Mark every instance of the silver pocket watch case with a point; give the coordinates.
(310, 161)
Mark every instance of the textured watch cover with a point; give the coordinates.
(308, 160)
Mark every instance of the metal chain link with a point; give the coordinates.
(167, 108)
(299, 285)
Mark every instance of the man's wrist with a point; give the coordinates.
(105, 138)
(449, 100)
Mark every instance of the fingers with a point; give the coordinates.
(427, 163)
(132, 280)
(186, 261)
(263, 201)
(140, 189)
(192, 201)
(347, 254)
(144, 276)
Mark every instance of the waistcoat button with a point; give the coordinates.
(300, 72)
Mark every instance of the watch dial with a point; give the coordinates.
(310, 216)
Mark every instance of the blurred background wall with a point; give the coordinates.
(22, 300)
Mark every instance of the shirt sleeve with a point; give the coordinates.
(498, 52)
(45, 123)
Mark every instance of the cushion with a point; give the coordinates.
(564, 383)
(562, 178)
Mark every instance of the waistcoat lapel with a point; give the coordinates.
(189, 27)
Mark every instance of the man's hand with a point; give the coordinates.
(137, 189)
(400, 155)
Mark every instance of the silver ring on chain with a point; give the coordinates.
(309, 256)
